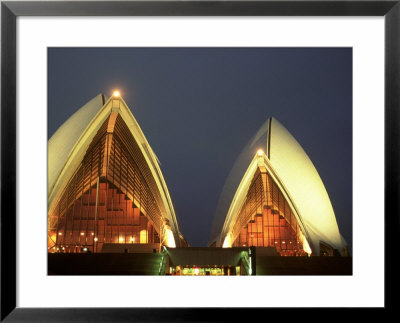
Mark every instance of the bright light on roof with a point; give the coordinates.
(260, 152)
(116, 93)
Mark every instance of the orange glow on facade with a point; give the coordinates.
(117, 220)
(107, 200)
(266, 220)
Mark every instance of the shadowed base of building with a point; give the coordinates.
(104, 264)
(197, 262)
(266, 265)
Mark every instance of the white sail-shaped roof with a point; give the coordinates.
(297, 178)
(304, 185)
(68, 145)
(61, 143)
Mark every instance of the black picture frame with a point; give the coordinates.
(10, 10)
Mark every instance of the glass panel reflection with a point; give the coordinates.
(266, 219)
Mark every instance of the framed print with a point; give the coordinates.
(55, 47)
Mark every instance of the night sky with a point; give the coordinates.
(199, 107)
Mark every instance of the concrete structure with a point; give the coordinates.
(196, 262)
(105, 185)
(274, 197)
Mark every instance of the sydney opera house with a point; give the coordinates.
(274, 197)
(106, 191)
(107, 198)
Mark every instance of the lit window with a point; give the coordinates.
(143, 236)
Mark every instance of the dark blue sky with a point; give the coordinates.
(198, 108)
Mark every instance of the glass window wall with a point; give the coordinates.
(111, 198)
(266, 219)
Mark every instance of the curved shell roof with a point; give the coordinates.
(234, 178)
(304, 185)
(298, 178)
(63, 140)
(68, 145)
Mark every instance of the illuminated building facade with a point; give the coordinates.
(106, 192)
(276, 199)
(210, 261)
(107, 195)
